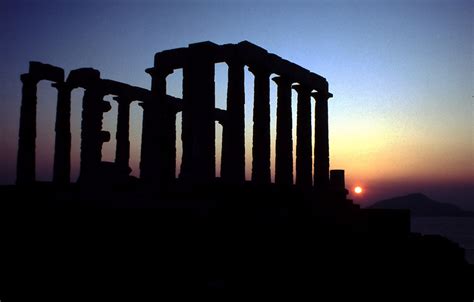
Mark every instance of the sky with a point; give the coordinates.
(401, 119)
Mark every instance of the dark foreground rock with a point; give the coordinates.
(222, 248)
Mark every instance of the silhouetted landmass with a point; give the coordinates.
(421, 205)
(256, 241)
(109, 234)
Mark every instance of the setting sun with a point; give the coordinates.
(358, 190)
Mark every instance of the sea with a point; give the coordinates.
(457, 229)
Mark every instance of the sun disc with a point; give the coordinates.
(358, 190)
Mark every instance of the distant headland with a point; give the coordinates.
(421, 205)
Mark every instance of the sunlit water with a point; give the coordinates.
(458, 229)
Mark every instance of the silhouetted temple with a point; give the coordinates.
(296, 236)
(158, 158)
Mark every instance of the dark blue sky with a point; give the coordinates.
(401, 72)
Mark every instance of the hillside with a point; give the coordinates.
(421, 205)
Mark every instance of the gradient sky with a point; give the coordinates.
(401, 72)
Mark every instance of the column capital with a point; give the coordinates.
(159, 71)
(123, 99)
(321, 95)
(171, 106)
(302, 89)
(260, 70)
(29, 78)
(282, 80)
(96, 89)
(62, 85)
(234, 61)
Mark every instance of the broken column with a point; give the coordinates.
(233, 136)
(62, 146)
(158, 155)
(122, 150)
(92, 136)
(321, 146)
(304, 177)
(261, 126)
(284, 140)
(198, 128)
(338, 185)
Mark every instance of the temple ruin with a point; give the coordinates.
(199, 113)
(200, 231)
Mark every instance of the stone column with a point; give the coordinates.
(198, 128)
(321, 146)
(304, 177)
(186, 134)
(92, 136)
(284, 140)
(233, 136)
(122, 150)
(26, 170)
(261, 126)
(338, 185)
(158, 154)
(62, 146)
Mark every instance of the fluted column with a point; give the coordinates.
(284, 140)
(26, 171)
(198, 118)
(261, 126)
(92, 136)
(321, 146)
(233, 136)
(158, 155)
(62, 146)
(122, 150)
(304, 176)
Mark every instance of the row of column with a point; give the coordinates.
(284, 140)
(92, 136)
(198, 129)
(198, 133)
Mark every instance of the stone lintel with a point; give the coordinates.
(83, 77)
(46, 72)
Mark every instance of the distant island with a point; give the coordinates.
(421, 205)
